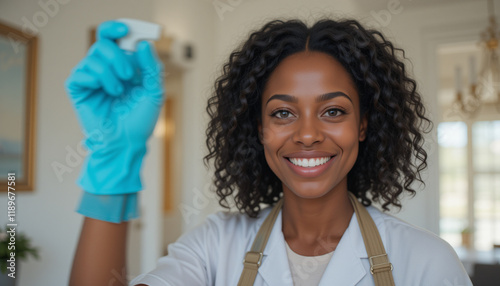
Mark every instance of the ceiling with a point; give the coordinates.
(368, 5)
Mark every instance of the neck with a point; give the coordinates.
(315, 226)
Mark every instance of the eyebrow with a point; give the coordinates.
(322, 97)
(330, 95)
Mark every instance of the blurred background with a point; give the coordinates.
(451, 56)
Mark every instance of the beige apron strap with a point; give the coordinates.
(253, 258)
(380, 267)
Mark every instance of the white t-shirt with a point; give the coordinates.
(212, 254)
(307, 270)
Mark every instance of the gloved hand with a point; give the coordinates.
(117, 98)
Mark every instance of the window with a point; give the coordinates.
(470, 181)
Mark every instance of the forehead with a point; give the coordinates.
(309, 73)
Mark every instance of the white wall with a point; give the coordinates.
(233, 26)
(47, 214)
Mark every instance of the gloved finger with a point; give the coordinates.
(151, 68)
(102, 71)
(81, 80)
(113, 56)
(80, 84)
(111, 30)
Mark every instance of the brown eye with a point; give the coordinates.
(282, 114)
(334, 112)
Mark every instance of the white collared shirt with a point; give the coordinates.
(212, 254)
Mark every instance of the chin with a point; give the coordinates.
(309, 193)
(315, 189)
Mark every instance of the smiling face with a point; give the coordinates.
(311, 124)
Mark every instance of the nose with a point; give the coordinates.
(308, 131)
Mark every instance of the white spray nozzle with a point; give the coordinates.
(138, 31)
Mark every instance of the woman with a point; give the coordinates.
(308, 115)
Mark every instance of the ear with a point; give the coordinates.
(363, 126)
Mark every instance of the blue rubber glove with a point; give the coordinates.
(117, 98)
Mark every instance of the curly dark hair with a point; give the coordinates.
(389, 160)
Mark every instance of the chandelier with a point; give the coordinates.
(484, 86)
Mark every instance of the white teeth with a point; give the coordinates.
(307, 163)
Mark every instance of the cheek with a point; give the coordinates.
(271, 157)
(345, 136)
(273, 140)
(273, 137)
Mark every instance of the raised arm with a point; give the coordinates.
(100, 258)
(117, 98)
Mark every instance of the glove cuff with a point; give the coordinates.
(111, 208)
(112, 172)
